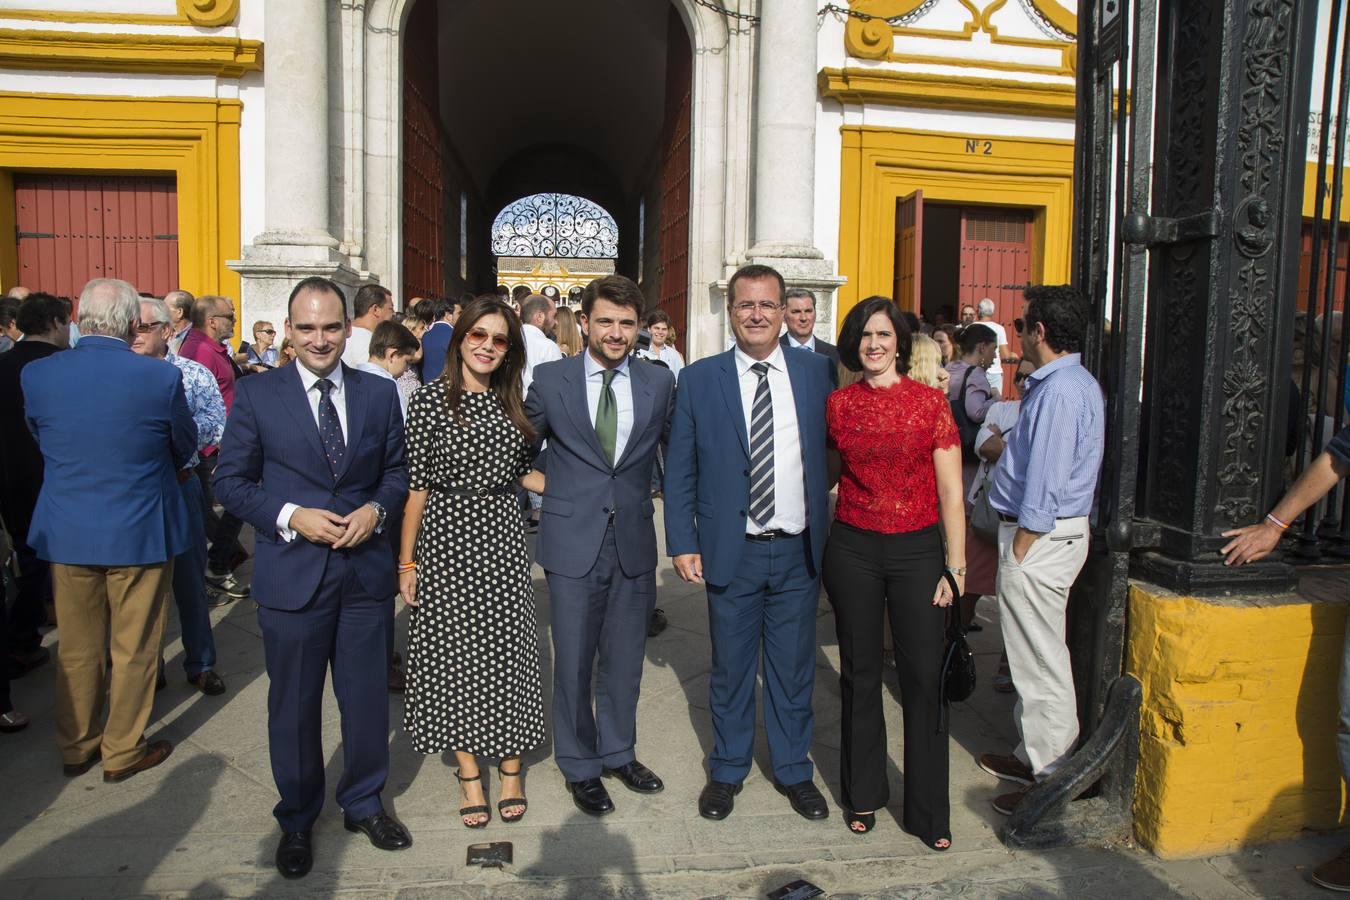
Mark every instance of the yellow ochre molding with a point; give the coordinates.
(225, 57)
(204, 13)
(875, 38)
(929, 91)
(194, 139)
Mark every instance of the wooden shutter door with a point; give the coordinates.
(996, 263)
(909, 251)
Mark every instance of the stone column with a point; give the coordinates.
(785, 154)
(298, 240)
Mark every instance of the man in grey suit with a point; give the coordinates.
(603, 415)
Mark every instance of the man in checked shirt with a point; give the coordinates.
(1043, 489)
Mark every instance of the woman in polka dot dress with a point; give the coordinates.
(473, 652)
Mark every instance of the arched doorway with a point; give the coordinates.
(538, 106)
(496, 107)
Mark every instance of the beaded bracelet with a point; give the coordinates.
(1276, 522)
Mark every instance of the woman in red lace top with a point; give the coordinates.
(896, 453)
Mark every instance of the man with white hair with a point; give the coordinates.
(110, 519)
(189, 567)
(1002, 352)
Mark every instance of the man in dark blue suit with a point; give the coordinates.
(747, 511)
(313, 459)
(436, 339)
(603, 415)
(115, 434)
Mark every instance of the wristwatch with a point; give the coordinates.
(957, 570)
(379, 515)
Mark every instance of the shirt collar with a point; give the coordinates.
(809, 344)
(774, 359)
(1045, 371)
(373, 369)
(308, 379)
(593, 367)
(531, 330)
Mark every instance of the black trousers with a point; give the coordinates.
(866, 573)
(33, 588)
(222, 530)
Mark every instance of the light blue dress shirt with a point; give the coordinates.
(622, 386)
(1049, 468)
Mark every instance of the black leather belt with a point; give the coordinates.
(766, 536)
(475, 492)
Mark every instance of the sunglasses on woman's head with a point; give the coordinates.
(477, 336)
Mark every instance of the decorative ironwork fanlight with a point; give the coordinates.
(555, 225)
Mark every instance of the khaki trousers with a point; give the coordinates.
(1033, 596)
(104, 611)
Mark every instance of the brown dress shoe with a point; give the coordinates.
(75, 770)
(155, 753)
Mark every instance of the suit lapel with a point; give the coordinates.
(731, 392)
(356, 415)
(639, 380)
(574, 401)
(292, 394)
(800, 391)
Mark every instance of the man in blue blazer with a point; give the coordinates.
(436, 339)
(115, 434)
(312, 458)
(747, 511)
(603, 414)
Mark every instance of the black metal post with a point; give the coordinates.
(1234, 78)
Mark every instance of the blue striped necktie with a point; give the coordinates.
(761, 449)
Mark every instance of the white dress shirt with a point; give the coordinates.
(357, 350)
(539, 348)
(379, 372)
(622, 385)
(339, 397)
(789, 475)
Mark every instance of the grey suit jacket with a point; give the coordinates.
(582, 488)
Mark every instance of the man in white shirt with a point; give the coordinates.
(373, 305)
(392, 349)
(1002, 352)
(538, 316)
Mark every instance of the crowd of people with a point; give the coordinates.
(379, 454)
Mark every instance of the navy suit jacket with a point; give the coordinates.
(581, 487)
(825, 349)
(114, 429)
(271, 456)
(707, 486)
(435, 341)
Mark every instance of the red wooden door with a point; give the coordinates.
(423, 152)
(72, 228)
(675, 143)
(996, 263)
(909, 251)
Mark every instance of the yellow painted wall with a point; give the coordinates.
(194, 139)
(881, 165)
(1237, 733)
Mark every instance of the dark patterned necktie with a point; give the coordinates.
(761, 449)
(330, 428)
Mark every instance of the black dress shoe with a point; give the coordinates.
(806, 799)
(295, 854)
(717, 800)
(657, 623)
(637, 777)
(208, 682)
(384, 831)
(591, 797)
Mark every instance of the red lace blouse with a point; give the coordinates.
(885, 439)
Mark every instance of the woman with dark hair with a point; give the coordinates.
(473, 653)
(895, 452)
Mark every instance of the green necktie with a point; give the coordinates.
(607, 417)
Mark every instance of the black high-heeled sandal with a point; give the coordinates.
(868, 821)
(482, 810)
(505, 804)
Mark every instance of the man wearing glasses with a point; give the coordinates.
(212, 324)
(747, 512)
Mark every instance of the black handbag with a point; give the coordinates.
(957, 680)
(965, 427)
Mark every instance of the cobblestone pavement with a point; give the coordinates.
(200, 825)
